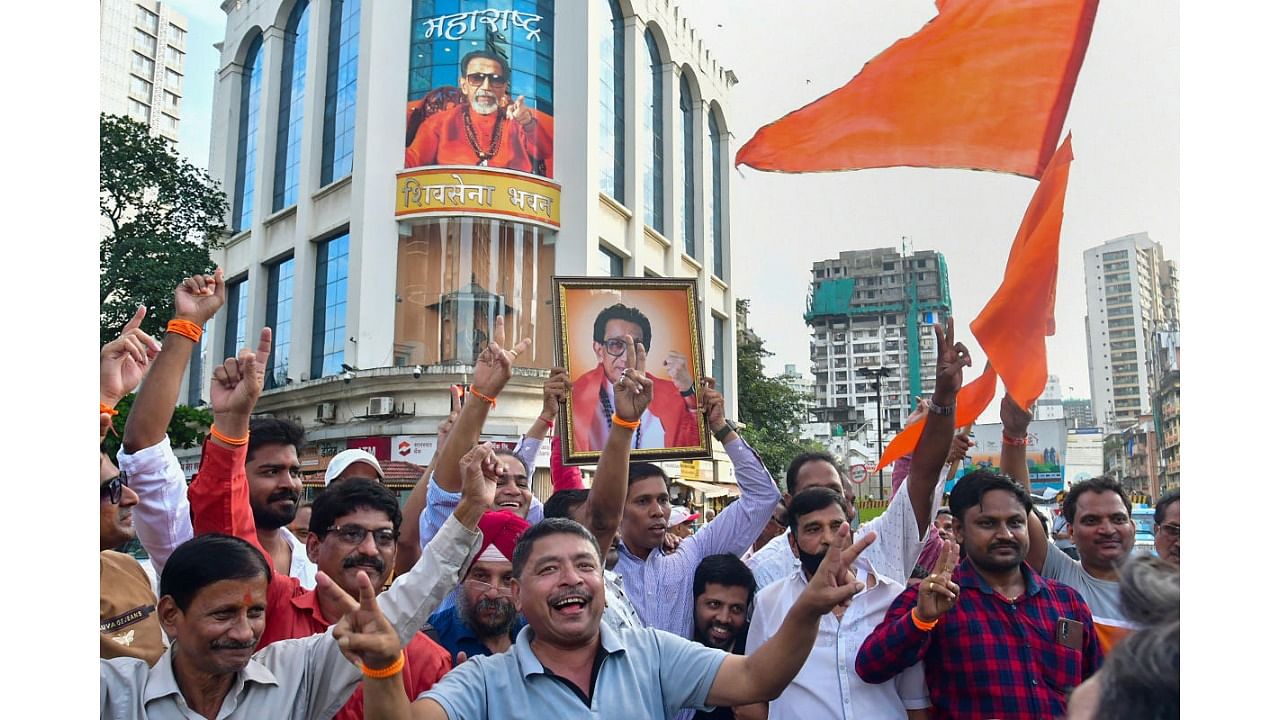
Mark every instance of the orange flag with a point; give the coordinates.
(1018, 317)
(970, 402)
(984, 85)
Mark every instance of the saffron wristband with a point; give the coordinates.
(385, 672)
(550, 423)
(1017, 442)
(185, 328)
(213, 431)
(628, 424)
(104, 408)
(493, 402)
(920, 624)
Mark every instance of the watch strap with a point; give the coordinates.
(723, 432)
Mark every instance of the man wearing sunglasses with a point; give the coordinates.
(671, 420)
(1169, 527)
(488, 128)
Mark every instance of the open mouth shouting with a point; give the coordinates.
(570, 604)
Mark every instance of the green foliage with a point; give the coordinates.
(162, 215)
(771, 410)
(187, 428)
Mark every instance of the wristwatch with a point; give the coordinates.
(723, 432)
(689, 393)
(942, 410)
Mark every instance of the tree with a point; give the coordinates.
(187, 427)
(771, 410)
(163, 217)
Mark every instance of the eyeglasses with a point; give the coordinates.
(355, 535)
(477, 79)
(485, 587)
(617, 346)
(114, 488)
(1170, 528)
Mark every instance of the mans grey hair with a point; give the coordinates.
(1140, 677)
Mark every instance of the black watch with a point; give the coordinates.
(690, 392)
(723, 432)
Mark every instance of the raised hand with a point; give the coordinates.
(1015, 419)
(364, 634)
(677, 367)
(480, 470)
(554, 391)
(953, 357)
(493, 366)
(712, 404)
(670, 543)
(634, 390)
(834, 584)
(922, 408)
(199, 297)
(938, 593)
(123, 362)
(959, 448)
(237, 382)
(520, 112)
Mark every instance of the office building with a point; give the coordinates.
(143, 45)
(1078, 412)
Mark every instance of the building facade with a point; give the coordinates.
(1167, 404)
(385, 215)
(142, 54)
(1049, 405)
(870, 311)
(1078, 412)
(1126, 302)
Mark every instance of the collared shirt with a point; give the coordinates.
(826, 686)
(661, 586)
(989, 656)
(1102, 596)
(219, 497)
(773, 562)
(162, 516)
(455, 635)
(645, 673)
(619, 613)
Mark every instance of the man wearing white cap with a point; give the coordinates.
(681, 522)
(351, 465)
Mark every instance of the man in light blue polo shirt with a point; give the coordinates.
(566, 664)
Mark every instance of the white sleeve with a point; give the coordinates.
(162, 516)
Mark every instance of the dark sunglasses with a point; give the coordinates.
(114, 487)
(495, 80)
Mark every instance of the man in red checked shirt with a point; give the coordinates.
(354, 526)
(997, 639)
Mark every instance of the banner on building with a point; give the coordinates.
(449, 191)
(1045, 452)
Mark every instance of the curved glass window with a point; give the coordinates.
(686, 140)
(717, 198)
(654, 127)
(329, 323)
(247, 140)
(612, 121)
(280, 320)
(340, 91)
(293, 76)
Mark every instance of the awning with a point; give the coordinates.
(709, 490)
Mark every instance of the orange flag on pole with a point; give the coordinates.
(1012, 327)
(970, 402)
(984, 85)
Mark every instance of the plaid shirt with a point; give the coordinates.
(988, 656)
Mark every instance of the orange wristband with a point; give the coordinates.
(625, 423)
(1016, 442)
(550, 423)
(385, 672)
(185, 328)
(105, 408)
(213, 431)
(920, 624)
(493, 402)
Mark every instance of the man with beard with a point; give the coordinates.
(354, 526)
(996, 638)
(1098, 518)
(487, 128)
(483, 621)
(567, 664)
(723, 589)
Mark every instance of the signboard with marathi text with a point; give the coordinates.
(467, 191)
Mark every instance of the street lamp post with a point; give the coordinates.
(876, 375)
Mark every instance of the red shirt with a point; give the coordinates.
(680, 418)
(219, 497)
(442, 140)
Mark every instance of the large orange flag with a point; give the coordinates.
(1012, 327)
(970, 402)
(984, 85)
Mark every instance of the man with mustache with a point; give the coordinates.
(1169, 527)
(487, 128)
(996, 638)
(723, 588)
(354, 527)
(484, 620)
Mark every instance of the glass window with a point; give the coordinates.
(654, 128)
(717, 197)
(174, 79)
(145, 41)
(611, 263)
(168, 122)
(280, 320)
(237, 318)
(146, 18)
(686, 140)
(143, 65)
(250, 95)
(612, 120)
(170, 100)
(173, 56)
(139, 111)
(293, 77)
(177, 36)
(717, 352)
(340, 91)
(139, 87)
(329, 323)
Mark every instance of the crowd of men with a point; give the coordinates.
(476, 599)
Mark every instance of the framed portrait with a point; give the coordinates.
(592, 314)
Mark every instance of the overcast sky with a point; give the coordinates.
(1123, 119)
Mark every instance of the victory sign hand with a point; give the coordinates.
(494, 365)
(364, 634)
(953, 357)
(937, 593)
(634, 390)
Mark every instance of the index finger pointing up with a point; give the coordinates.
(642, 356)
(264, 346)
(500, 332)
(630, 344)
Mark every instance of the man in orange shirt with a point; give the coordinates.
(488, 129)
(671, 420)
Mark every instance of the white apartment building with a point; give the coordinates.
(142, 54)
(1126, 303)
(380, 295)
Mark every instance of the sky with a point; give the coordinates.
(1123, 120)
